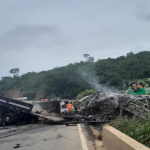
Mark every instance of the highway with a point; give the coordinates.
(37, 137)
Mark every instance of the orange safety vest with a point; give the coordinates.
(69, 106)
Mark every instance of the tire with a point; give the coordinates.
(9, 118)
(28, 118)
(36, 119)
(2, 123)
(1, 110)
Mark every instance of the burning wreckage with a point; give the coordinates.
(101, 107)
(105, 107)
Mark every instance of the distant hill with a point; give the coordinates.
(68, 81)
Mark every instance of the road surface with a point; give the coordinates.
(46, 137)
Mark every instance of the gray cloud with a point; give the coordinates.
(143, 11)
(41, 35)
(28, 36)
(145, 17)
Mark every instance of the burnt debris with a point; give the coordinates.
(105, 107)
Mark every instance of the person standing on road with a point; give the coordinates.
(69, 106)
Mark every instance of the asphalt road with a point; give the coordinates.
(46, 137)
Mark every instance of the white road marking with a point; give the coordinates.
(83, 142)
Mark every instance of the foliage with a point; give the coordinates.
(14, 71)
(68, 81)
(99, 136)
(30, 95)
(137, 128)
(85, 93)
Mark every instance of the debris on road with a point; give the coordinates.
(104, 107)
(97, 108)
(17, 146)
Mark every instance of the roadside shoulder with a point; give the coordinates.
(90, 139)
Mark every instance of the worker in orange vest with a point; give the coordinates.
(69, 106)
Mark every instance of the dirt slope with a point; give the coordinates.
(12, 94)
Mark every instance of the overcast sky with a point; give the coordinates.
(37, 35)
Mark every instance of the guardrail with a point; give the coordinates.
(113, 139)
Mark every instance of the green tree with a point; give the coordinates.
(68, 81)
(15, 71)
(85, 93)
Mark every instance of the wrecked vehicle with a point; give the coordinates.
(13, 111)
(101, 107)
(106, 107)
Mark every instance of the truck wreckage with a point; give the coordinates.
(101, 107)
(14, 111)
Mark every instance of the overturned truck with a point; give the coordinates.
(13, 111)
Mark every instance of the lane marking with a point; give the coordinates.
(83, 142)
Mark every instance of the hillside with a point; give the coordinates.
(68, 81)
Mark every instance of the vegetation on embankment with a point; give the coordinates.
(136, 128)
(68, 81)
(85, 93)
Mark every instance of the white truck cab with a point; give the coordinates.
(63, 106)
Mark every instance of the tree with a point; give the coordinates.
(85, 93)
(130, 54)
(68, 81)
(15, 71)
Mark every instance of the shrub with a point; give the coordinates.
(137, 128)
(30, 95)
(99, 137)
(85, 93)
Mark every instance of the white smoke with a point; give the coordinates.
(36, 106)
(93, 80)
(115, 99)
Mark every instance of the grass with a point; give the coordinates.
(99, 136)
(136, 128)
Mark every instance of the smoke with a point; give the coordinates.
(114, 99)
(36, 106)
(93, 80)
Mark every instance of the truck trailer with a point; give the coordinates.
(13, 111)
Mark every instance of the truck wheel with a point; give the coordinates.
(28, 118)
(35, 119)
(2, 123)
(1, 110)
(10, 118)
